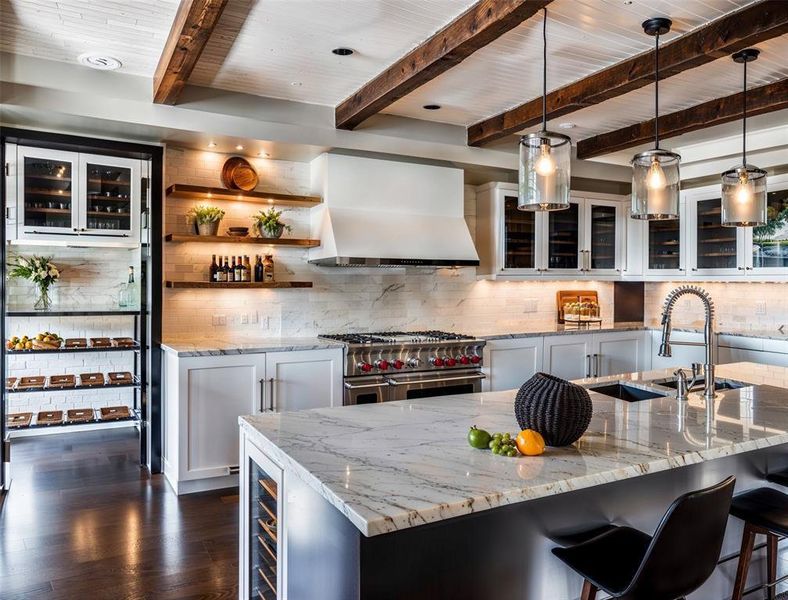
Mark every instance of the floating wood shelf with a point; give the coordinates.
(239, 285)
(229, 239)
(199, 192)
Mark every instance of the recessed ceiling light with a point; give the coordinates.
(239, 147)
(212, 144)
(567, 125)
(296, 83)
(102, 62)
(342, 51)
(627, 2)
(431, 107)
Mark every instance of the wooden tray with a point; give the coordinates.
(27, 383)
(62, 381)
(112, 413)
(51, 417)
(119, 377)
(123, 342)
(76, 343)
(100, 343)
(79, 415)
(238, 174)
(15, 420)
(91, 379)
(10, 382)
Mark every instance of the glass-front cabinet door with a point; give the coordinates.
(563, 244)
(47, 191)
(519, 237)
(111, 196)
(766, 247)
(603, 235)
(664, 247)
(713, 248)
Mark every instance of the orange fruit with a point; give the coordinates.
(530, 442)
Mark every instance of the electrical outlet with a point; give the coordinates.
(760, 307)
(530, 305)
(244, 319)
(254, 317)
(222, 320)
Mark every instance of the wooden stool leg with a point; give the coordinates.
(747, 542)
(771, 565)
(589, 591)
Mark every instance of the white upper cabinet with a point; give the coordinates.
(585, 240)
(765, 250)
(62, 196)
(664, 246)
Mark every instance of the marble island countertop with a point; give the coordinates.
(401, 464)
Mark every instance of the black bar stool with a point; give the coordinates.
(778, 477)
(676, 561)
(765, 511)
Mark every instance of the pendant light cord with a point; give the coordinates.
(744, 120)
(544, 71)
(656, 93)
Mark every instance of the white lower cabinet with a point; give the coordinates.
(578, 356)
(758, 350)
(510, 363)
(205, 395)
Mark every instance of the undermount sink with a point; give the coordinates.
(622, 391)
(719, 384)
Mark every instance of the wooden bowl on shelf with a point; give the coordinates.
(238, 231)
(238, 174)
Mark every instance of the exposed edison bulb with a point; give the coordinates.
(655, 179)
(545, 164)
(744, 188)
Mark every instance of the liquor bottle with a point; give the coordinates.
(132, 290)
(258, 268)
(247, 269)
(268, 267)
(214, 270)
(231, 272)
(239, 270)
(223, 276)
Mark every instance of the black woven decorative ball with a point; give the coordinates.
(556, 408)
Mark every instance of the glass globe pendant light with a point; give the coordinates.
(545, 158)
(655, 173)
(744, 186)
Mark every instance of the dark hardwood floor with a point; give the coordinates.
(83, 521)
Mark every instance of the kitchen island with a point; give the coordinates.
(389, 501)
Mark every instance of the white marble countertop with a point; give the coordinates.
(401, 464)
(239, 344)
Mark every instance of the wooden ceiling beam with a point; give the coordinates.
(482, 23)
(751, 25)
(760, 100)
(194, 23)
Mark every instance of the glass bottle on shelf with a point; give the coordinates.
(213, 271)
(132, 289)
(226, 271)
(231, 271)
(239, 269)
(268, 268)
(258, 269)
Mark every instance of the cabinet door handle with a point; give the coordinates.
(273, 396)
(597, 361)
(588, 365)
(262, 395)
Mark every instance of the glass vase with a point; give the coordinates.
(44, 300)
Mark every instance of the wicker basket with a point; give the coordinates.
(15, 420)
(102, 342)
(76, 343)
(80, 415)
(31, 383)
(120, 378)
(113, 413)
(62, 381)
(91, 379)
(556, 408)
(52, 417)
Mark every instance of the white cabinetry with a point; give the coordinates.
(511, 362)
(205, 395)
(578, 356)
(568, 356)
(733, 348)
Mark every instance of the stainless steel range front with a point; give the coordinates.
(402, 365)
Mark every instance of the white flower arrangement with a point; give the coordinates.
(41, 271)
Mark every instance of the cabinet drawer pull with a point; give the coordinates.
(273, 396)
(597, 360)
(588, 365)
(262, 395)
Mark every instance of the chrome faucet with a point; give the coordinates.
(708, 333)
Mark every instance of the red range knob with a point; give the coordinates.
(383, 365)
(438, 362)
(476, 359)
(397, 364)
(464, 360)
(364, 366)
(450, 362)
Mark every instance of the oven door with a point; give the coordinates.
(367, 389)
(426, 385)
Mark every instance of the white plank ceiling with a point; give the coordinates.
(132, 31)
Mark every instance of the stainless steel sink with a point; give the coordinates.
(719, 384)
(623, 391)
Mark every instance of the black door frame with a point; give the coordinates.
(150, 317)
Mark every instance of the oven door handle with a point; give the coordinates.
(437, 380)
(363, 386)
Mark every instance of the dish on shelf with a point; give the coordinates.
(112, 413)
(51, 417)
(91, 379)
(19, 420)
(238, 231)
(76, 343)
(10, 382)
(79, 415)
(102, 342)
(36, 381)
(119, 377)
(123, 342)
(62, 381)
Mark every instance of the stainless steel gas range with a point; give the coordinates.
(414, 364)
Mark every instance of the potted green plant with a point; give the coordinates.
(39, 270)
(206, 219)
(269, 225)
